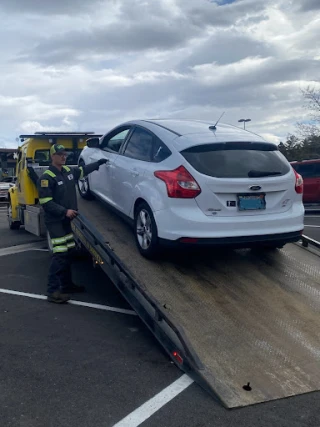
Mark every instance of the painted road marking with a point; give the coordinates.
(73, 302)
(312, 226)
(22, 248)
(145, 411)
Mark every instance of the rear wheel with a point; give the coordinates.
(146, 232)
(83, 186)
(13, 225)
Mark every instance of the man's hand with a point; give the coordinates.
(102, 161)
(71, 213)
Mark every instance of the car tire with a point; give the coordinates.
(84, 187)
(146, 231)
(13, 225)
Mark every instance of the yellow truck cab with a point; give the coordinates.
(33, 159)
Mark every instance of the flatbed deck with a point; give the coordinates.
(247, 316)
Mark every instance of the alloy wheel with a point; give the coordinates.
(144, 229)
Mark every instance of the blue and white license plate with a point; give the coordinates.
(251, 202)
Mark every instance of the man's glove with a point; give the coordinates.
(102, 161)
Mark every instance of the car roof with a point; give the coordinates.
(185, 133)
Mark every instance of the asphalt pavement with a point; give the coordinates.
(79, 366)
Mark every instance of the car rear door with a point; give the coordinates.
(241, 178)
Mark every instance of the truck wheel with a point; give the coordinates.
(13, 225)
(146, 232)
(83, 187)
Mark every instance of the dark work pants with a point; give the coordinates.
(63, 251)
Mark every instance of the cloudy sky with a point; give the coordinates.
(90, 65)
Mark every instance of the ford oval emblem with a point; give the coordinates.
(255, 188)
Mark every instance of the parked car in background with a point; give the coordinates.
(5, 184)
(310, 172)
(190, 182)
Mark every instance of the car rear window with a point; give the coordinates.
(237, 160)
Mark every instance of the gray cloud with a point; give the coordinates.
(226, 47)
(310, 5)
(116, 39)
(211, 14)
(150, 25)
(44, 7)
(113, 60)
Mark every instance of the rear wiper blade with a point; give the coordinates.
(256, 174)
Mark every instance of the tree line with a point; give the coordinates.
(306, 144)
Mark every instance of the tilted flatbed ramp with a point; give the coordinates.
(245, 316)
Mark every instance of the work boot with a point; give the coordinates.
(58, 297)
(73, 289)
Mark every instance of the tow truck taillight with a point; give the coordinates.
(299, 182)
(177, 356)
(180, 183)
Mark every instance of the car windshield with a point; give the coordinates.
(237, 160)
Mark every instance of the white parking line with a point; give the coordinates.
(73, 302)
(145, 411)
(312, 226)
(22, 248)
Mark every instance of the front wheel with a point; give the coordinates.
(146, 232)
(13, 225)
(84, 188)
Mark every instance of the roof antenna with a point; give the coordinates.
(214, 127)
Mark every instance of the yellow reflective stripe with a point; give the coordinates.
(45, 200)
(69, 236)
(60, 249)
(58, 240)
(82, 173)
(71, 245)
(50, 173)
(66, 168)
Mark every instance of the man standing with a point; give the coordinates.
(57, 195)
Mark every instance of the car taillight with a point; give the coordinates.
(180, 183)
(299, 182)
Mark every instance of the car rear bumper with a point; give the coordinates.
(239, 241)
(176, 223)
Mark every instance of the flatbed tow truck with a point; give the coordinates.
(244, 324)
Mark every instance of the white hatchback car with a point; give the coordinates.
(190, 182)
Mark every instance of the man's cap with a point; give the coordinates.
(57, 149)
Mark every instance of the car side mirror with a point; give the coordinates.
(93, 142)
